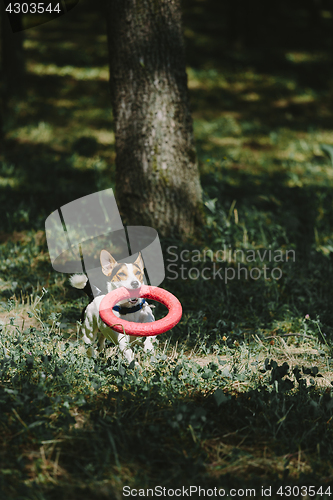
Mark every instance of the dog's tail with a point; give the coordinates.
(81, 282)
(78, 281)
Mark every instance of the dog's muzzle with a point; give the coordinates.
(135, 285)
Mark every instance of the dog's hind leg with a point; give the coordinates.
(101, 342)
(89, 334)
(91, 352)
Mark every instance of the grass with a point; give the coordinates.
(238, 395)
(230, 415)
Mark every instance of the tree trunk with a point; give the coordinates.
(157, 178)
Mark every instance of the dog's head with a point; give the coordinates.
(130, 276)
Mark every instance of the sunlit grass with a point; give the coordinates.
(72, 71)
(41, 133)
(299, 57)
(11, 182)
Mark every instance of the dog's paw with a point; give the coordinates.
(149, 349)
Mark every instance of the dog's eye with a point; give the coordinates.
(138, 273)
(121, 274)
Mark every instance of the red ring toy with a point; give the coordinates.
(141, 329)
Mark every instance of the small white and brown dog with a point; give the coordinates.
(119, 274)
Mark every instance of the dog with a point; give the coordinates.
(131, 277)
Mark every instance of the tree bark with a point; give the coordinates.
(157, 178)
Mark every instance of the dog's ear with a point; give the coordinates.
(139, 262)
(107, 262)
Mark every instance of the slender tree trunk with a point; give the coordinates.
(157, 179)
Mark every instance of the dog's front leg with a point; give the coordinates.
(124, 347)
(148, 344)
(148, 317)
